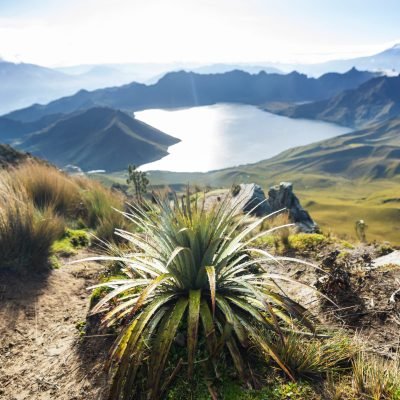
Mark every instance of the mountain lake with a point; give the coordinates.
(227, 135)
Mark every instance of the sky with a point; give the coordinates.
(72, 32)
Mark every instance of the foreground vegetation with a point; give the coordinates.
(194, 268)
(196, 297)
(41, 207)
(334, 202)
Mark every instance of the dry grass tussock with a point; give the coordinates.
(49, 188)
(26, 233)
(37, 203)
(100, 206)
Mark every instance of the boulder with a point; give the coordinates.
(253, 198)
(280, 197)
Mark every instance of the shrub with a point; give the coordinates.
(193, 280)
(314, 358)
(26, 235)
(49, 188)
(70, 241)
(235, 190)
(307, 241)
(100, 205)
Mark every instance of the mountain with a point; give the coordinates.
(12, 131)
(24, 84)
(387, 61)
(187, 89)
(221, 68)
(99, 138)
(372, 153)
(374, 101)
(10, 157)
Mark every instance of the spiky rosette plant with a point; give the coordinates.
(195, 273)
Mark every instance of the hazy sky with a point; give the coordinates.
(66, 32)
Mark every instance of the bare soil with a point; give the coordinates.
(42, 353)
(367, 298)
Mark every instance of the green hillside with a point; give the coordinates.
(340, 180)
(99, 138)
(374, 101)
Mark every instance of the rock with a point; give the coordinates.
(253, 198)
(279, 197)
(391, 258)
(282, 196)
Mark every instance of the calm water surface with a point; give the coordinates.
(226, 135)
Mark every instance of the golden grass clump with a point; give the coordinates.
(376, 378)
(316, 358)
(100, 205)
(26, 234)
(49, 188)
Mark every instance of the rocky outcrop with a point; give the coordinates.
(279, 197)
(253, 199)
(282, 196)
(9, 157)
(389, 259)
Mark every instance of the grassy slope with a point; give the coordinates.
(340, 180)
(333, 201)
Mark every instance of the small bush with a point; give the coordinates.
(100, 205)
(384, 249)
(314, 358)
(307, 241)
(279, 238)
(26, 235)
(235, 190)
(70, 241)
(49, 188)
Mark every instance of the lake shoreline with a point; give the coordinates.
(227, 135)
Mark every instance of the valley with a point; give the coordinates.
(211, 130)
(199, 200)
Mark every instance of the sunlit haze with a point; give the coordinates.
(61, 32)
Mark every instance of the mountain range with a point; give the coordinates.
(387, 61)
(187, 89)
(374, 101)
(23, 84)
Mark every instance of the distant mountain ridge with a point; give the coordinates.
(372, 153)
(374, 101)
(22, 84)
(187, 89)
(99, 138)
(386, 61)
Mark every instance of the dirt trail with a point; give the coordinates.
(42, 355)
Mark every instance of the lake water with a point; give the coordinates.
(226, 135)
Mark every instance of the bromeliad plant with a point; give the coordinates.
(195, 275)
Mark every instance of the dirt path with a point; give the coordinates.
(42, 355)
